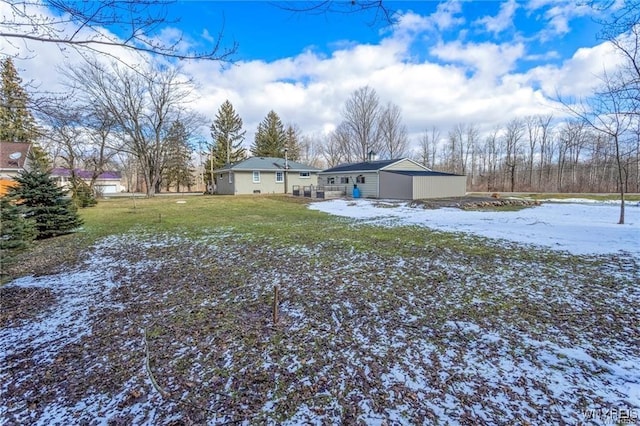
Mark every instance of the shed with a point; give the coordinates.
(402, 179)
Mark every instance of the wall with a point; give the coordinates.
(439, 186)
(368, 189)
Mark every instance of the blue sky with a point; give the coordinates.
(267, 31)
(443, 63)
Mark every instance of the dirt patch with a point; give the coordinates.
(474, 203)
(19, 304)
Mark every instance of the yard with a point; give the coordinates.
(160, 312)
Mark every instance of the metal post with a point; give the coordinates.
(286, 167)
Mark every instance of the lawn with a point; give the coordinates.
(160, 312)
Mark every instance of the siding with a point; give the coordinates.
(368, 189)
(406, 164)
(439, 186)
(243, 182)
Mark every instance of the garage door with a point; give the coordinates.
(107, 189)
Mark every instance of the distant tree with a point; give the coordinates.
(392, 132)
(227, 138)
(39, 159)
(270, 138)
(292, 142)
(16, 121)
(429, 147)
(143, 104)
(514, 132)
(337, 148)
(178, 171)
(361, 114)
(43, 202)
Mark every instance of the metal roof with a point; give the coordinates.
(85, 174)
(267, 164)
(367, 166)
(421, 173)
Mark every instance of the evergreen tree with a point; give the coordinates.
(227, 136)
(16, 122)
(293, 143)
(44, 203)
(16, 232)
(178, 169)
(39, 159)
(270, 139)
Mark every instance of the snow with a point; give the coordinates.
(579, 227)
(509, 347)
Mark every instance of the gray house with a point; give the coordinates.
(401, 179)
(264, 175)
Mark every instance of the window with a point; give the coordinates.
(279, 177)
(230, 177)
(305, 175)
(344, 179)
(331, 181)
(256, 177)
(360, 179)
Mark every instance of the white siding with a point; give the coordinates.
(368, 189)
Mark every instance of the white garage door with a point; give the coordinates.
(107, 189)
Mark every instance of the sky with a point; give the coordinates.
(443, 63)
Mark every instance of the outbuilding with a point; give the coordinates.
(400, 179)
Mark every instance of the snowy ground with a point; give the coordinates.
(578, 226)
(170, 329)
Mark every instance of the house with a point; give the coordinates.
(402, 179)
(13, 159)
(108, 182)
(264, 175)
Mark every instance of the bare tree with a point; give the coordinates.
(336, 150)
(392, 132)
(429, 147)
(380, 8)
(143, 105)
(611, 112)
(544, 124)
(360, 116)
(514, 131)
(90, 26)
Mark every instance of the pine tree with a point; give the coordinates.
(270, 139)
(43, 202)
(16, 122)
(227, 136)
(293, 143)
(39, 159)
(16, 232)
(178, 169)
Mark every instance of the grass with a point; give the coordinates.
(374, 321)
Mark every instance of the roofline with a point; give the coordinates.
(374, 170)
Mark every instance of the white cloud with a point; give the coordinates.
(470, 82)
(558, 15)
(502, 21)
